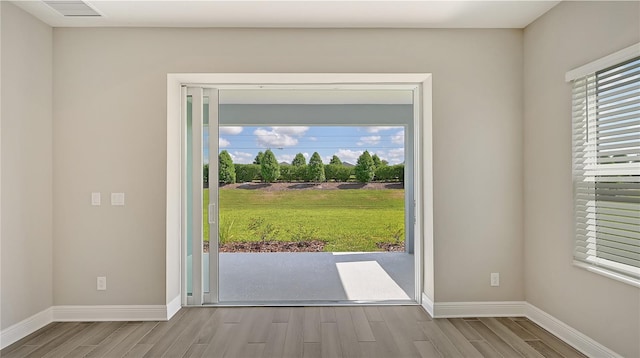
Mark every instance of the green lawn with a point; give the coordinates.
(348, 220)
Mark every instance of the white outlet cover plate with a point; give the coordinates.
(495, 279)
(101, 283)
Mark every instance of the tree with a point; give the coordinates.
(269, 167)
(205, 176)
(316, 168)
(258, 158)
(376, 161)
(299, 160)
(226, 169)
(335, 160)
(365, 169)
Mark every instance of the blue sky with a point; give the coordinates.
(244, 143)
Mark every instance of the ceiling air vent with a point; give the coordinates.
(72, 8)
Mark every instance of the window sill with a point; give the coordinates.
(607, 273)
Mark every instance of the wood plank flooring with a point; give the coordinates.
(333, 332)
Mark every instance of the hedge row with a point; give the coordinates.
(333, 172)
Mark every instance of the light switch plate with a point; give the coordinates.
(95, 199)
(117, 199)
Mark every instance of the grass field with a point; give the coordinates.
(347, 220)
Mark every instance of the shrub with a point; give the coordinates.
(265, 232)
(345, 173)
(339, 173)
(226, 169)
(269, 167)
(316, 169)
(331, 171)
(225, 229)
(365, 169)
(396, 232)
(304, 233)
(398, 172)
(286, 172)
(247, 172)
(299, 173)
(205, 176)
(390, 173)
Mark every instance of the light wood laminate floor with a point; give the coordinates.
(244, 332)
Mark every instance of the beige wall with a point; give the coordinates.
(570, 35)
(26, 146)
(110, 135)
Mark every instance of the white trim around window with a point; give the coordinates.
(606, 165)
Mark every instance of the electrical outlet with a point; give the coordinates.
(102, 283)
(495, 279)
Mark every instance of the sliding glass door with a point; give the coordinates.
(360, 233)
(200, 194)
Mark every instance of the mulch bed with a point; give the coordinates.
(290, 246)
(271, 246)
(387, 246)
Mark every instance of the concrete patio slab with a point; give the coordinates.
(325, 276)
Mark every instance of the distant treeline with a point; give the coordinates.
(266, 169)
(333, 172)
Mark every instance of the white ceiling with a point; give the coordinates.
(300, 13)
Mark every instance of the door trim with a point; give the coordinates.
(421, 83)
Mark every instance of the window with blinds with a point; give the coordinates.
(606, 168)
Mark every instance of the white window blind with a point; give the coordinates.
(606, 168)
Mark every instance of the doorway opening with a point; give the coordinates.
(279, 129)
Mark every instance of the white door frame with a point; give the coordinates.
(423, 168)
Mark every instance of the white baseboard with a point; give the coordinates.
(427, 304)
(568, 334)
(173, 307)
(25, 327)
(29, 325)
(563, 331)
(479, 309)
(110, 313)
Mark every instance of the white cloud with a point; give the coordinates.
(289, 157)
(223, 143)
(279, 136)
(370, 140)
(242, 157)
(348, 155)
(285, 158)
(230, 130)
(393, 156)
(398, 138)
(292, 131)
(377, 129)
(313, 139)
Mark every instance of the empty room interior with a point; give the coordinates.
(500, 216)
